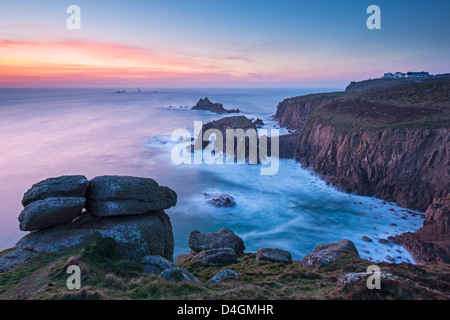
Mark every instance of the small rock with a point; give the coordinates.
(224, 238)
(366, 239)
(215, 257)
(355, 277)
(326, 253)
(273, 255)
(258, 122)
(389, 258)
(221, 275)
(394, 240)
(222, 201)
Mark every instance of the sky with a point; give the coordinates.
(213, 43)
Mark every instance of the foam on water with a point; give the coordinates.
(94, 132)
(294, 210)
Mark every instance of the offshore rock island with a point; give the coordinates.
(206, 104)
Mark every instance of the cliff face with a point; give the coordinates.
(392, 143)
(431, 242)
(292, 113)
(410, 167)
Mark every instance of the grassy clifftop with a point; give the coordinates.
(106, 276)
(414, 105)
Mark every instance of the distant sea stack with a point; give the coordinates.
(391, 142)
(206, 104)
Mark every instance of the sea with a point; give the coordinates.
(52, 132)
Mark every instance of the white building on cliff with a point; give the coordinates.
(400, 75)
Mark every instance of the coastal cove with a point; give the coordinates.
(99, 132)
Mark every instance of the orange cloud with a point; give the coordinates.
(21, 60)
(67, 63)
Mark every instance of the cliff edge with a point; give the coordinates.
(392, 142)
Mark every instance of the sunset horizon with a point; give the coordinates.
(225, 158)
(204, 44)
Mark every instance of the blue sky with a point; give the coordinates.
(222, 43)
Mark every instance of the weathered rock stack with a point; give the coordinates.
(127, 209)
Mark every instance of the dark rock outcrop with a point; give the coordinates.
(409, 167)
(122, 195)
(42, 214)
(431, 243)
(249, 138)
(273, 255)
(258, 122)
(221, 200)
(136, 236)
(65, 186)
(224, 238)
(215, 257)
(206, 104)
(326, 253)
(233, 123)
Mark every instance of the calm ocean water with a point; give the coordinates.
(47, 133)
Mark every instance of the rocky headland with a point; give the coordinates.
(390, 140)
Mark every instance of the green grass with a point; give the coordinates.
(347, 123)
(104, 275)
